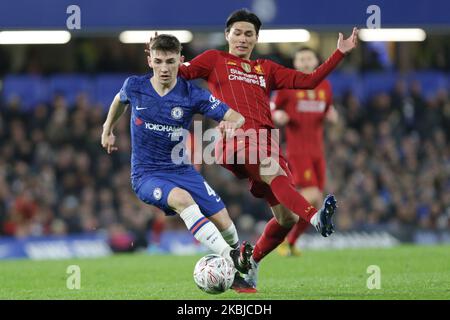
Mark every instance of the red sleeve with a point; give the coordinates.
(286, 78)
(279, 100)
(330, 94)
(199, 67)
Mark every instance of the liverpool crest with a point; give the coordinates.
(247, 68)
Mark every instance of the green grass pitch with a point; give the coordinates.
(407, 272)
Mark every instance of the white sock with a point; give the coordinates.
(315, 219)
(230, 235)
(205, 231)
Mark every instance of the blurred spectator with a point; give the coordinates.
(389, 166)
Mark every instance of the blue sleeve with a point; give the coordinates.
(124, 92)
(208, 105)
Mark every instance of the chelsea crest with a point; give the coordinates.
(177, 113)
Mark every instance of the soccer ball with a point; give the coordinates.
(214, 274)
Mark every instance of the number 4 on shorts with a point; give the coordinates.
(211, 192)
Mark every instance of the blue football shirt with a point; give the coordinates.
(158, 123)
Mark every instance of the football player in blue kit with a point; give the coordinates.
(162, 106)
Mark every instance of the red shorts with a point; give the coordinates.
(237, 158)
(308, 170)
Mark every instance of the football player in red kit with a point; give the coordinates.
(245, 85)
(303, 113)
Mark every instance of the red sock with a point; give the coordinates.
(272, 236)
(297, 230)
(291, 199)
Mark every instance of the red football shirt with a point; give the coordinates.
(245, 85)
(306, 110)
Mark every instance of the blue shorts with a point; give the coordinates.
(155, 188)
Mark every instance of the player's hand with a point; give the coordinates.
(109, 141)
(332, 115)
(280, 117)
(227, 128)
(150, 41)
(347, 45)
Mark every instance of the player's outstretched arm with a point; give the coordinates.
(285, 78)
(232, 120)
(116, 110)
(347, 45)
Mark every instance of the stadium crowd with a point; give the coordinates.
(388, 158)
(389, 161)
(388, 165)
(56, 178)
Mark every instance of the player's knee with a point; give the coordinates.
(269, 168)
(180, 199)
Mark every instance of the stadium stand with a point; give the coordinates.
(388, 159)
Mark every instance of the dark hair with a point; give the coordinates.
(243, 15)
(163, 42)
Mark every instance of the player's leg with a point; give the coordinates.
(305, 178)
(274, 176)
(320, 169)
(214, 209)
(200, 227)
(319, 166)
(166, 195)
(211, 205)
(240, 254)
(278, 227)
(226, 227)
(274, 232)
(309, 175)
(314, 196)
(273, 235)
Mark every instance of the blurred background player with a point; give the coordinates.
(387, 158)
(245, 85)
(303, 113)
(162, 106)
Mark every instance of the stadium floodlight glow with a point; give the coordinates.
(283, 35)
(142, 36)
(35, 37)
(394, 34)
